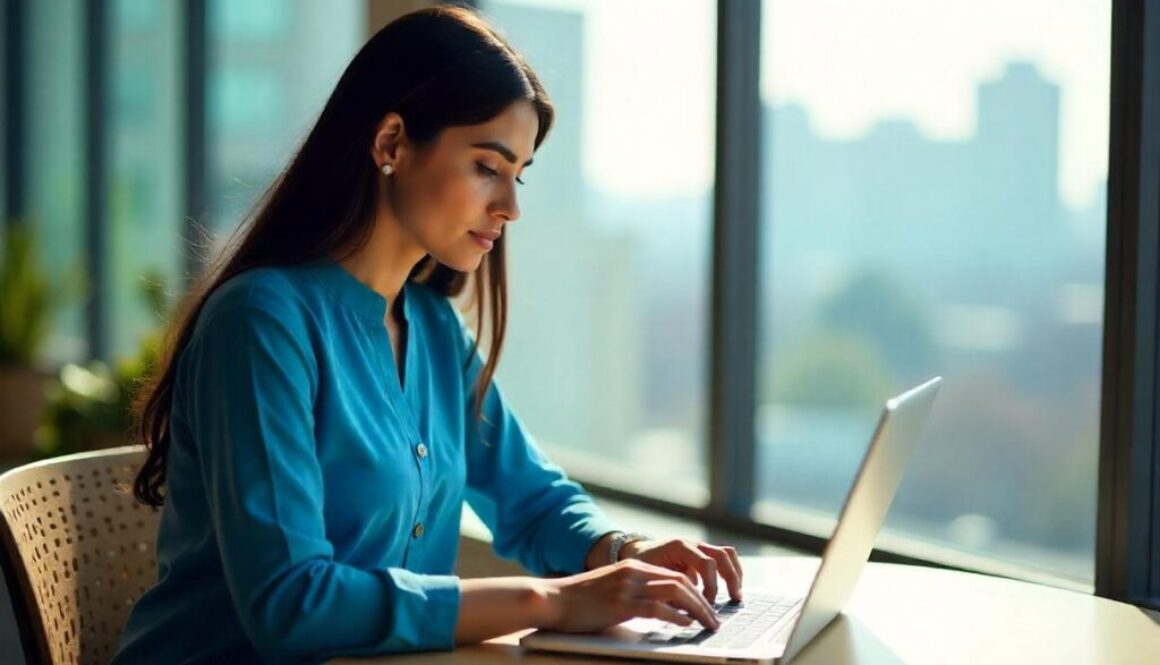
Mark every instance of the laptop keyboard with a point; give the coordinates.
(742, 623)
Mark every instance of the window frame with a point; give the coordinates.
(97, 159)
(1128, 517)
(13, 110)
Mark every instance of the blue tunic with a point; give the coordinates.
(313, 503)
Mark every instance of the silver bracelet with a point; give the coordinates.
(619, 541)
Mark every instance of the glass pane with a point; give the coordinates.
(934, 203)
(55, 150)
(145, 216)
(609, 263)
(272, 67)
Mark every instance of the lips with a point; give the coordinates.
(489, 235)
(484, 243)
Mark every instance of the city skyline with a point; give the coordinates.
(967, 243)
(885, 256)
(648, 126)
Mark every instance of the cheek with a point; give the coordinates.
(457, 199)
(452, 204)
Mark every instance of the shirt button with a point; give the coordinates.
(417, 531)
(421, 450)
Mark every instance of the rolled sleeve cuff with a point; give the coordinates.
(581, 525)
(426, 610)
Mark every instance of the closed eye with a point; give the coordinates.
(492, 173)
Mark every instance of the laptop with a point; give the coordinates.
(764, 629)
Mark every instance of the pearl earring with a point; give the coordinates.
(388, 169)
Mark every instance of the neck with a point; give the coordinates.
(385, 261)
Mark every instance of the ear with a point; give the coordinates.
(390, 141)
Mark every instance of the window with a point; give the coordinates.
(144, 173)
(934, 203)
(54, 151)
(933, 191)
(609, 273)
(271, 68)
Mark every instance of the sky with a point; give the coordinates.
(649, 77)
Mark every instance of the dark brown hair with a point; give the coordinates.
(437, 67)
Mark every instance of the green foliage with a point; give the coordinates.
(90, 406)
(87, 409)
(878, 308)
(870, 335)
(26, 300)
(832, 369)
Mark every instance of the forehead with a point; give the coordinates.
(515, 128)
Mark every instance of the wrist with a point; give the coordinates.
(619, 549)
(546, 605)
(630, 549)
(598, 553)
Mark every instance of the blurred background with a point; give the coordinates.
(933, 198)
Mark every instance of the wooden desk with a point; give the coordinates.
(914, 616)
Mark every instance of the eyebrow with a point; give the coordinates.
(501, 149)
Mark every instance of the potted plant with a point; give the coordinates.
(26, 305)
(89, 405)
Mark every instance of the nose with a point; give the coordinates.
(507, 206)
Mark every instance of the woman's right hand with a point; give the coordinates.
(609, 595)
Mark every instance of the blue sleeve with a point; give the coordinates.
(536, 514)
(250, 385)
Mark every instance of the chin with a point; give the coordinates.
(461, 262)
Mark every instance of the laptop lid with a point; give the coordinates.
(865, 509)
(843, 560)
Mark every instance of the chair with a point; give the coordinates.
(80, 550)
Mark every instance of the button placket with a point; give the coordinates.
(405, 412)
(420, 451)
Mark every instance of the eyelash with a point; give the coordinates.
(492, 172)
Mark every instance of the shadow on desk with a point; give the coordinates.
(848, 640)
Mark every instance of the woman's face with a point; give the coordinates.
(454, 197)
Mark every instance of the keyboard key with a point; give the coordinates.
(742, 623)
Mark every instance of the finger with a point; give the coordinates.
(678, 593)
(653, 609)
(691, 585)
(728, 569)
(654, 572)
(706, 565)
(732, 552)
(693, 575)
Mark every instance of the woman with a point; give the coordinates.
(322, 411)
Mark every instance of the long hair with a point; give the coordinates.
(437, 67)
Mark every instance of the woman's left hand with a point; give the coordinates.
(696, 560)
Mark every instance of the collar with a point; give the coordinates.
(355, 295)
